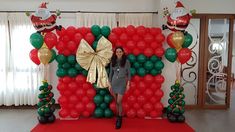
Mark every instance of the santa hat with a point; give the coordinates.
(179, 5)
(43, 5)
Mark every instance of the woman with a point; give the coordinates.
(119, 78)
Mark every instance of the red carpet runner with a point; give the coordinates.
(107, 125)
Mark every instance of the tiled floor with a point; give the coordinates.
(18, 120)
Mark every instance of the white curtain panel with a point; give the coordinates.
(101, 19)
(21, 78)
(135, 19)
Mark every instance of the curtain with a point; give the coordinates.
(101, 19)
(21, 77)
(145, 19)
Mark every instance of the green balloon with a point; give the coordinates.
(154, 72)
(133, 71)
(41, 103)
(170, 101)
(154, 58)
(105, 30)
(99, 112)
(141, 58)
(61, 72)
(131, 58)
(148, 65)
(78, 67)
(141, 72)
(41, 96)
(102, 92)
(60, 65)
(71, 59)
(47, 110)
(169, 109)
(137, 65)
(182, 111)
(98, 99)
(108, 113)
(72, 72)
(84, 72)
(108, 98)
(66, 65)
(53, 53)
(61, 59)
(95, 29)
(94, 45)
(188, 39)
(41, 112)
(159, 65)
(36, 40)
(103, 105)
(98, 37)
(171, 54)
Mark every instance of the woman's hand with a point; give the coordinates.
(127, 86)
(109, 87)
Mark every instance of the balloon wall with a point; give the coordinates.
(80, 98)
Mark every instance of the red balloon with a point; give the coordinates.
(73, 86)
(142, 86)
(73, 99)
(63, 113)
(136, 106)
(91, 93)
(130, 45)
(70, 31)
(86, 86)
(155, 45)
(80, 107)
(154, 114)
(169, 40)
(112, 106)
(61, 32)
(136, 37)
(153, 100)
(66, 79)
(74, 114)
(85, 99)
(141, 45)
(61, 86)
(184, 55)
(80, 79)
(148, 107)
(141, 99)
(148, 78)
(63, 100)
(50, 39)
(158, 106)
(131, 99)
(125, 106)
(67, 92)
(148, 52)
(86, 114)
(60, 45)
(66, 52)
(159, 52)
(159, 94)
(148, 38)
(90, 107)
(131, 113)
(159, 79)
(136, 78)
(136, 92)
(148, 93)
(34, 56)
(141, 113)
(80, 93)
(117, 31)
(141, 30)
(155, 86)
(155, 31)
(71, 45)
(113, 37)
(65, 38)
(77, 38)
(160, 38)
(130, 30)
(123, 38)
(84, 30)
(89, 38)
(136, 51)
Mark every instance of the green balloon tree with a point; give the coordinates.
(46, 104)
(175, 109)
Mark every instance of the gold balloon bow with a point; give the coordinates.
(95, 60)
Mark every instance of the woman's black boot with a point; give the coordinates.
(119, 122)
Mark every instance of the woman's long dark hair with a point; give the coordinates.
(114, 57)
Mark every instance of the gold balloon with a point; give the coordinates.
(44, 55)
(178, 40)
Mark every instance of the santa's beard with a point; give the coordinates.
(178, 12)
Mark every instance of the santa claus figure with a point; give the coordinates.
(179, 19)
(43, 20)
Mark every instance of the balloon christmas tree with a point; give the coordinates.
(43, 41)
(179, 41)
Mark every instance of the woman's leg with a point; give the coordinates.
(119, 104)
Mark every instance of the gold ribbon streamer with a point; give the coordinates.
(95, 60)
